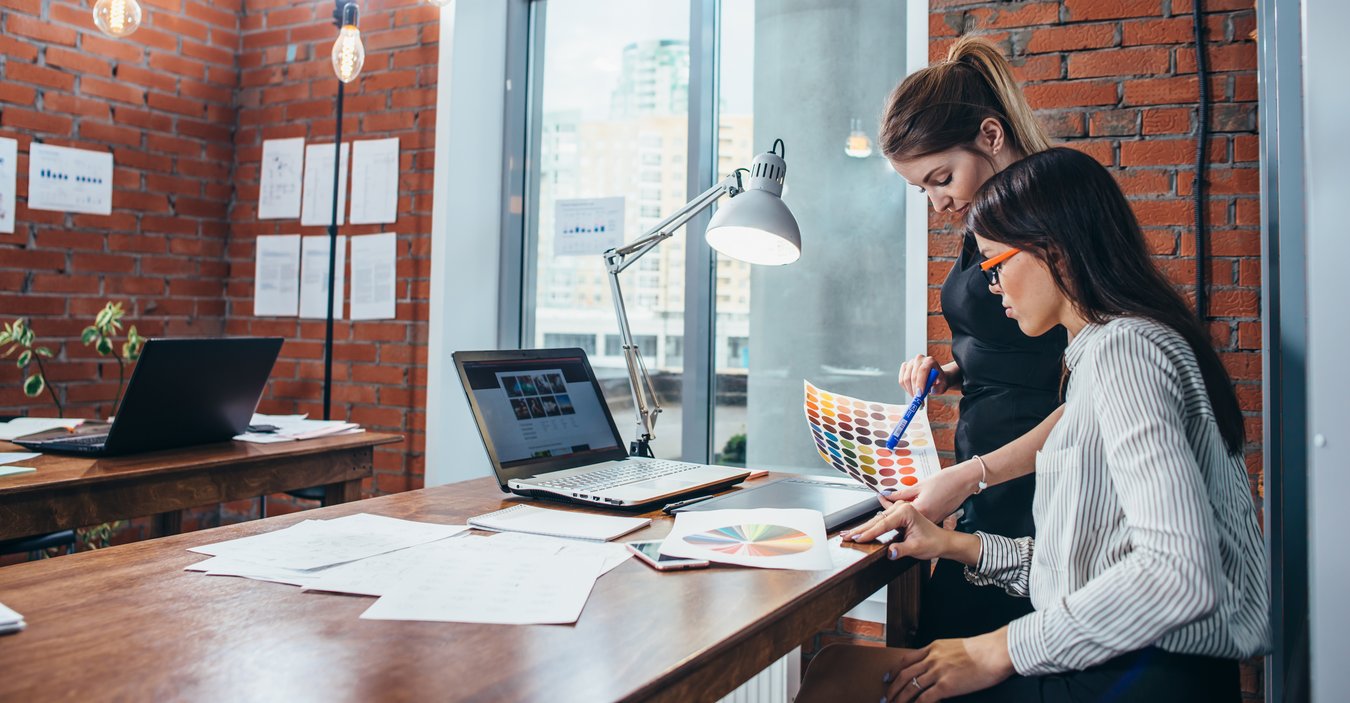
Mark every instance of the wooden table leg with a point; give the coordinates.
(344, 492)
(170, 523)
(903, 595)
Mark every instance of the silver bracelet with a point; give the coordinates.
(984, 474)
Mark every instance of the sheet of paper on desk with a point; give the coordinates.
(290, 430)
(850, 435)
(12, 470)
(496, 587)
(16, 457)
(317, 543)
(768, 538)
(10, 621)
(21, 426)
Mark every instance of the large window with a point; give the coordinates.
(612, 120)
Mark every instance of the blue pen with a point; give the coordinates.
(913, 408)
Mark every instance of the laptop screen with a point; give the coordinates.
(538, 410)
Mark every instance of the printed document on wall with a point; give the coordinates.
(69, 180)
(283, 163)
(587, 226)
(318, 199)
(314, 277)
(276, 276)
(374, 266)
(9, 177)
(374, 181)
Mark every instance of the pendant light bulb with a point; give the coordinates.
(441, 3)
(349, 54)
(858, 145)
(117, 18)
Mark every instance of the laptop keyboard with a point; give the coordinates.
(85, 441)
(628, 472)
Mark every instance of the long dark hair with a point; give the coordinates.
(1062, 207)
(942, 106)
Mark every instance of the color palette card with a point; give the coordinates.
(767, 538)
(851, 434)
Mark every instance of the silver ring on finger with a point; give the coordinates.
(916, 683)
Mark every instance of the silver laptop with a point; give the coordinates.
(549, 433)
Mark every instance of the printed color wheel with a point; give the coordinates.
(753, 540)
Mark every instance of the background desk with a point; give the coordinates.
(70, 491)
(129, 623)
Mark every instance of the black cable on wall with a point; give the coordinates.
(1201, 149)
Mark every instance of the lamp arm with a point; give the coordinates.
(645, 402)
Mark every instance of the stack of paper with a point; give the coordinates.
(9, 459)
(10, 621)
(296, 427)
(21, 426)
(558, 523)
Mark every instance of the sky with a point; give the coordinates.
(585, 39)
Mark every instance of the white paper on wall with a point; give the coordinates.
(9, 182)
(276, 276)
(374, 270)
(283, 163)
(375, 181)
(69, 180)
(314, 277)
(587, 226)
(318, 196)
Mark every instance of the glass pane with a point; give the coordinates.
(810, 72)
(614, 125)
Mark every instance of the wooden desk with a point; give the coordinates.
(127, 623)
(71, 491)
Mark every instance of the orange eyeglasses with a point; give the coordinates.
(991, 267)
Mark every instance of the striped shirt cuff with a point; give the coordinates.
(1004, 562)
(1027, 646)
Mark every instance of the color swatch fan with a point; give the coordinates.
(851, 434)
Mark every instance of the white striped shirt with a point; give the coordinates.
(1146, 532)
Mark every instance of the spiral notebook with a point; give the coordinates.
(558, 523)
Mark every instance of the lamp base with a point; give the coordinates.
(641, 447)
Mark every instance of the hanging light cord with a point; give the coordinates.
(1201, 149)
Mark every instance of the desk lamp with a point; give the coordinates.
(754, 226)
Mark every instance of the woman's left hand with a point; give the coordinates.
(948, 668)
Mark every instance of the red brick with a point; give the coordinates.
(39, 75)
(1168, 121)
(1179, 30)
(1114, 123)
(14, 117)
(1028, 15)
(1082, 10)
(38, 29)
(80, 62)
(1139, 61)
(1072, 38)
(1044, 96)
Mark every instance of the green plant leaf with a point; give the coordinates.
(43, 351)
(34, 385)
(25, 357)
(104, 346)
(88, 336)
(27, 338)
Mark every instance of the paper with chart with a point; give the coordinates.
(587, 226)
(314, 276)
(283, 162)
(374, 268)
(494, 586)
(276, 276)
(850, 435)
(9, 182)
(375, 181)
(767, 538)
(21, 426)
(317, 543)
(318, 195)
(69, 180)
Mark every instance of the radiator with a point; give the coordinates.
(777, 684)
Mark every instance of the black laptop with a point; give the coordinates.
(182, 392)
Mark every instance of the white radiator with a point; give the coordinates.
(777, 684)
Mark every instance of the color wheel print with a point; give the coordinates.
(753, 540)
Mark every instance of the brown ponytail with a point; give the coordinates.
(941, 107)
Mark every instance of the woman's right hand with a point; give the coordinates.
(941, 494)
(913, 375)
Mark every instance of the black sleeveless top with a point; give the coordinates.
(1011, 383)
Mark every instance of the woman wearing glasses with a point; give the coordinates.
(1147, 570)
(947, 129)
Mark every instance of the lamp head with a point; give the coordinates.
(755, 225)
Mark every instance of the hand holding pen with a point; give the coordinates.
(913, 408)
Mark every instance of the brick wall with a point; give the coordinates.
(287, 89)
(163, 103)
(1116, 79)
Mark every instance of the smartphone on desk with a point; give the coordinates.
(650, 552)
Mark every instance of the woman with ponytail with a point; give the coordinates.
(947, 129)
(1147, 572)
